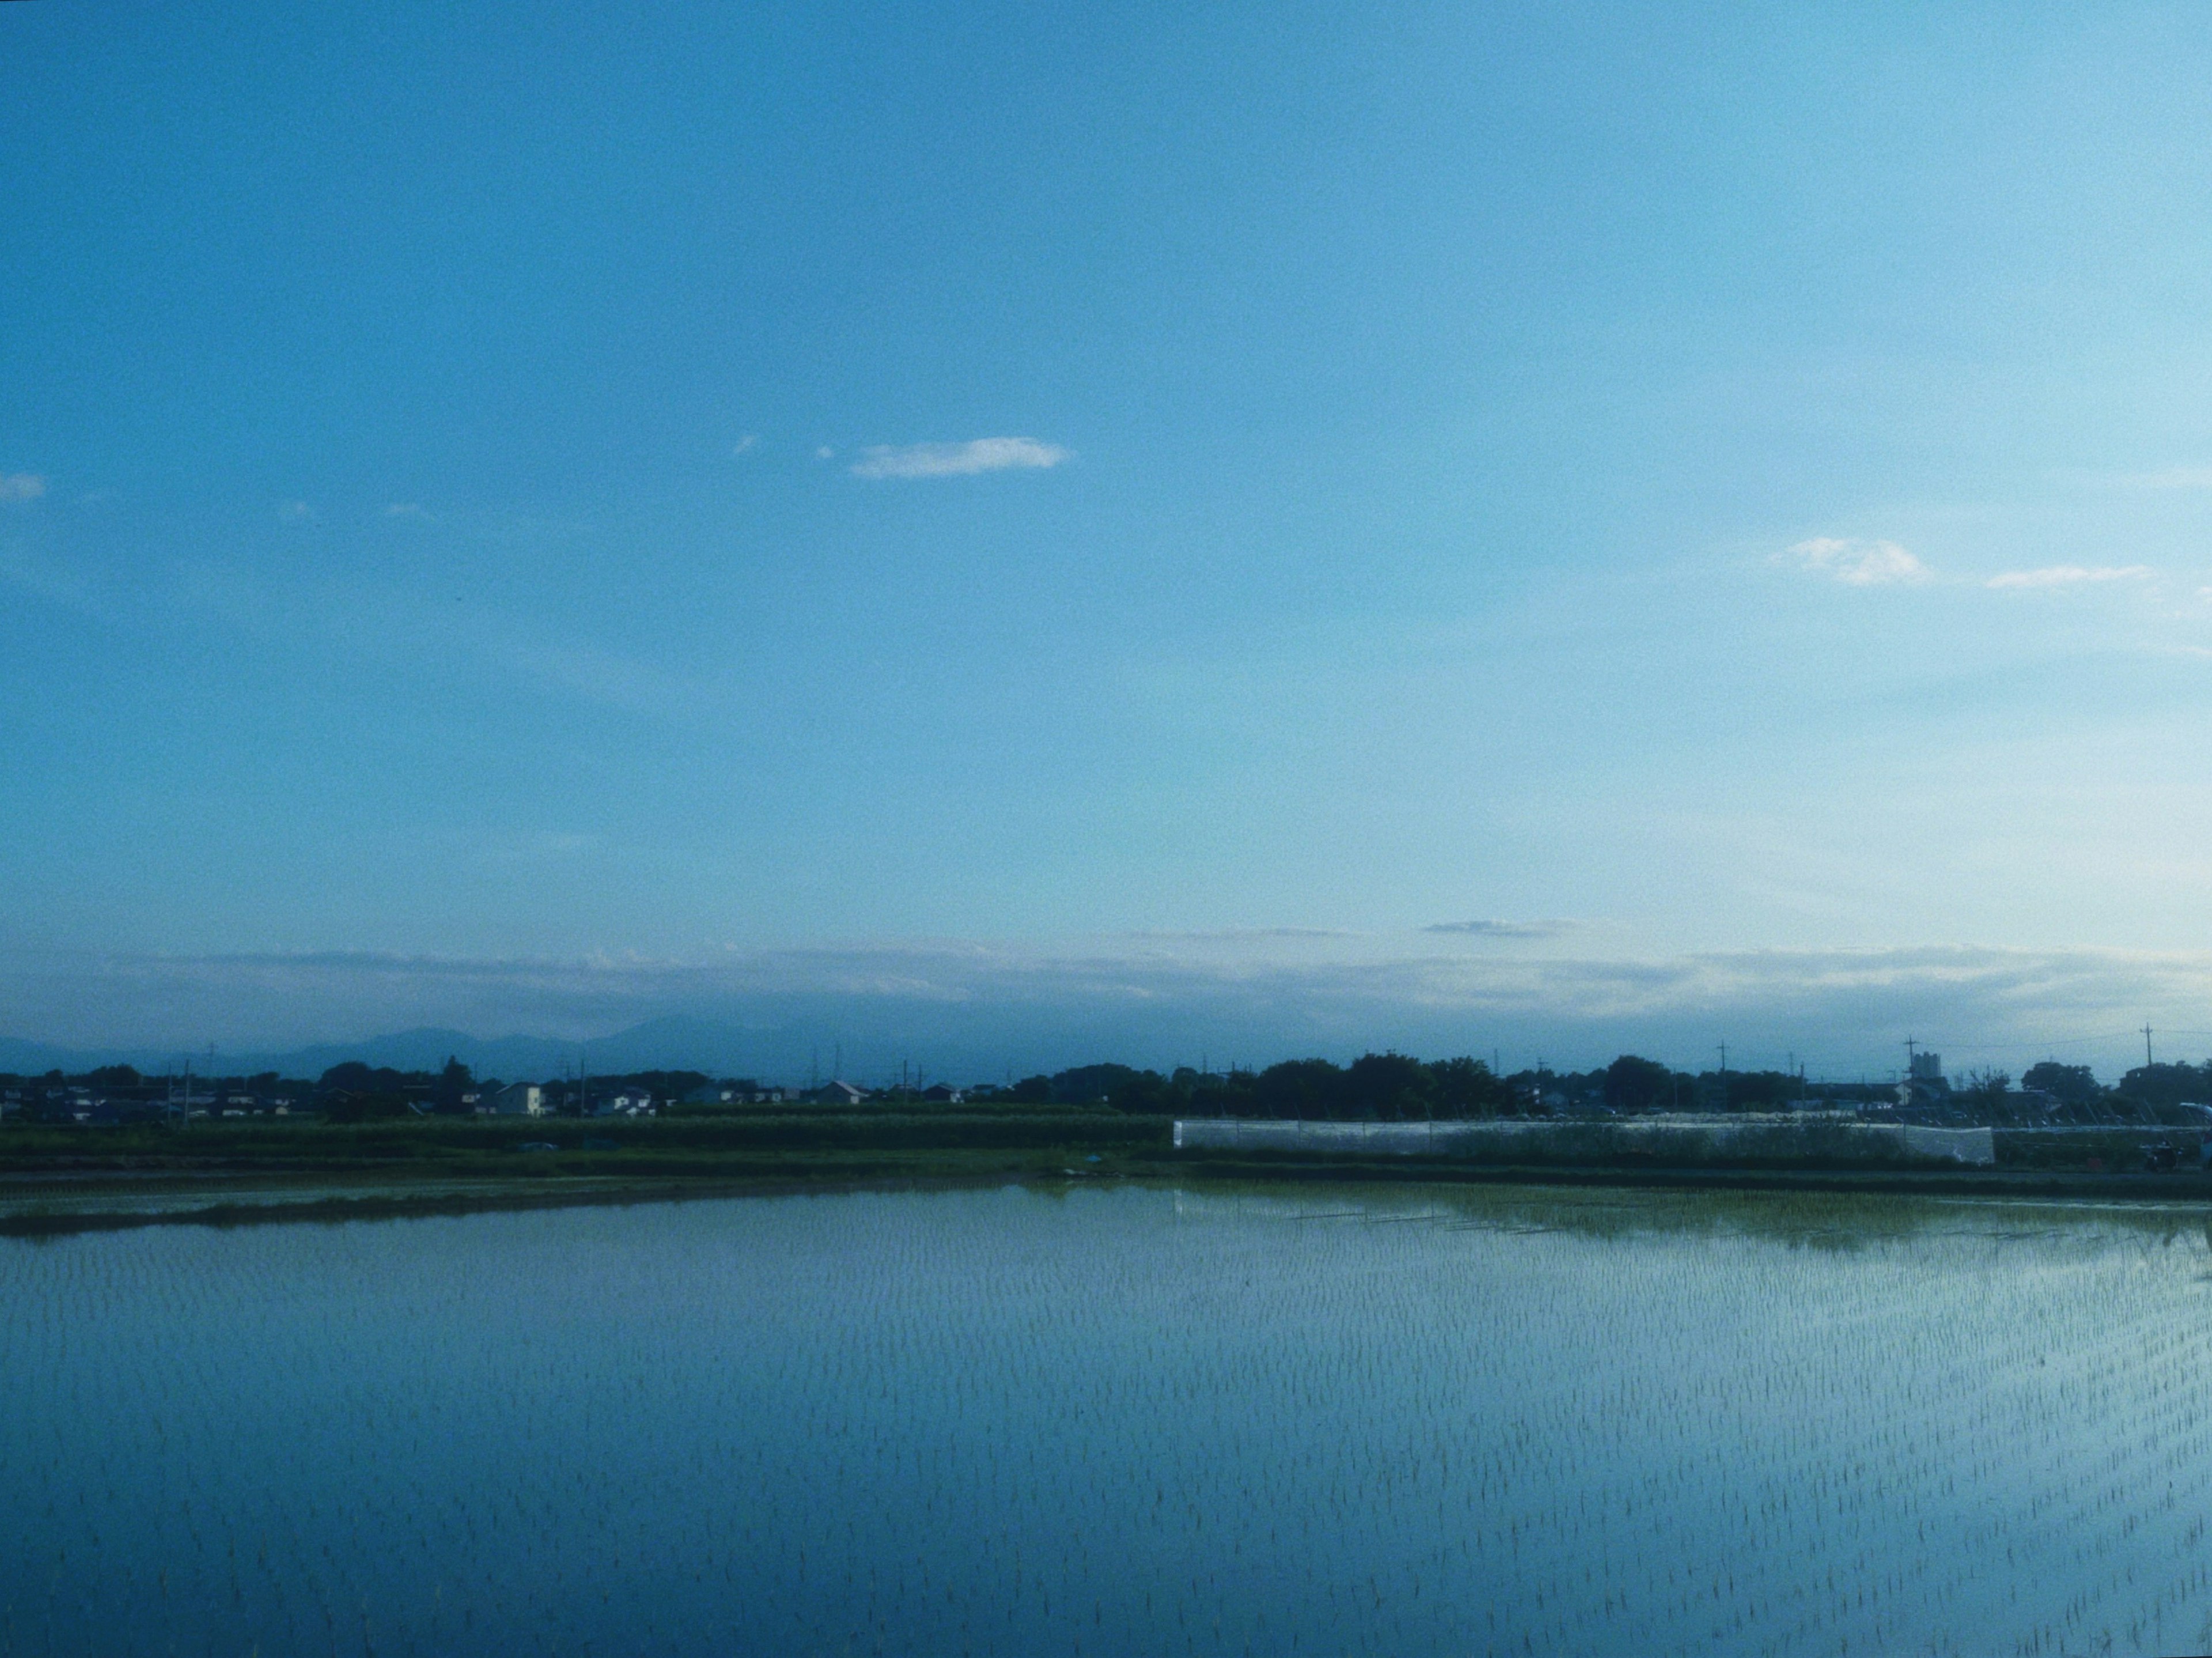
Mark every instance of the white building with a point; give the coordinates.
(519, 1100)
(1924, 1084)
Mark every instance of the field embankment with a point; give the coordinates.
(54, 1179)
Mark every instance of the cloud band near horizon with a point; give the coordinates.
(982, 1009)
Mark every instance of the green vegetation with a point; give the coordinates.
(752, 1142)
(115, 1138)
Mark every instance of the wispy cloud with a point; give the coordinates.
(1861, 563)
(22, 486)
(1239, 935)
(2068, 575)
(18, 568)
(404, 509)
(980, 1007)
(295, 512)
(1500, 929)
(745, 443)
(467, 639)
(937, 460)
(2171, 477)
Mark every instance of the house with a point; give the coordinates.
(743, 1092)
(838, 1093)
(939, 1094)
(626, 1103)
(519, 1100)
(1924, 1085)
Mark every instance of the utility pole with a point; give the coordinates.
(1724, 1098)
(2146, 1059)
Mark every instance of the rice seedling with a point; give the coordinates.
(1118, 1420)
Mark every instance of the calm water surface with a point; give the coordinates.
(1117, 1421)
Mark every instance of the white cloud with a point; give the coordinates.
(22, 486)
(935, 460)
(2067, 575)
(404, 509)
(824, 452)
(2173, 477)
(295, 512)
(1861, 563)
(745, 443)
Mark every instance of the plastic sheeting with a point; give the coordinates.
(1975, 1146)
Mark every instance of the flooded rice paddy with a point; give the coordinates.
(1120, 1420)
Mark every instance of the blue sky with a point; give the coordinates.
(658, 507)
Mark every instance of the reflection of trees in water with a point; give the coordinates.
(1838, 1220)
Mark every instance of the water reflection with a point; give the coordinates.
(1126, 1419)
(1825, 1219)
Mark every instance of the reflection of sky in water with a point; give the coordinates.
(1118, 1420)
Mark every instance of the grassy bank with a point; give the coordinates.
(488, 1146)
(236, 1171)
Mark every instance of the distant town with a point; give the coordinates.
(1378, 1087)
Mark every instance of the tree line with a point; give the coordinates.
(1393, 1087)
(1375, 1087)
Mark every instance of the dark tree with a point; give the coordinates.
(1983, 1091)
(454, 1082)
(2167, 1084)
(1635, 1084)
(1087, 1085)
(1466, 1088)
(1388, 1088)
(1299, 1088)
(2070, 1085)
(1148, 1094)
(1760, 1090)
